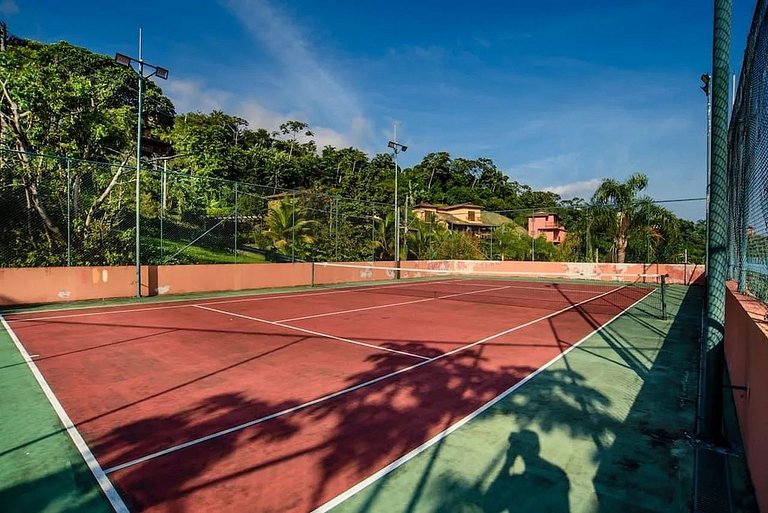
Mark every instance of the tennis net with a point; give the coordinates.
(482, 284)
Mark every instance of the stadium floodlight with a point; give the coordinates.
(123, 59)
(705, 82)
(397, 148)
(162, 73)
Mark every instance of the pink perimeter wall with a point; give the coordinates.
(746, 354)
(21, 286)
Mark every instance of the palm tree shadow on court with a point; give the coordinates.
(379, 423)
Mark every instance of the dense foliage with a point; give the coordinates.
(58, 99)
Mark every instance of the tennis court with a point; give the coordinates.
(290, 400)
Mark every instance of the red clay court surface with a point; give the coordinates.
(283, 402)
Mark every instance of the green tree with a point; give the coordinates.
(64, 100)
(626, 212)
(294, 128)
(384, 239)
(288, 229)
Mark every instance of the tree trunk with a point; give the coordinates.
(105, 193)
(12, 117)
(621, 240)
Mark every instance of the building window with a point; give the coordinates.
(471, 215)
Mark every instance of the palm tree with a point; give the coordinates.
(384, 241)
(288, 229)
(423, 239)
(627, 214)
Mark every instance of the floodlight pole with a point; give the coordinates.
(138, 170)
(396, 148)
(161, 73)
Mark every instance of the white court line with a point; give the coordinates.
(401, 303)
(98, 473)
(312, 332)
(344, 391)
(190, 302)
(443, 434)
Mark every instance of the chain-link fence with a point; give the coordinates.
(58, 211)
(748, 166)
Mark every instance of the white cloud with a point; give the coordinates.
(546, 165)
(582, 189)
(8, 7)
(310, 82)
(193, 96)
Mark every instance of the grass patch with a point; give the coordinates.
(199, 254)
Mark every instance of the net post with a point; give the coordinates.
(664, 296)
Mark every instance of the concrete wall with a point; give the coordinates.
(677, 273)
(746, 353)
(52, 284)
(56, 284)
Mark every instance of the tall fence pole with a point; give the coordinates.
(718, 223)
(293, 227)
(533, 235)
(235, 222)
(69, 214)
(373, 233)
(138, 175)
(336, 247)
(162, 208)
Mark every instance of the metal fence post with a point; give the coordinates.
(293, 226)
(162, 207)
(235, 222)
(533, 235)
(373, 234)
(69, 214)
(336, 238)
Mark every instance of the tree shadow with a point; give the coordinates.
(170, 485)
(384, 419)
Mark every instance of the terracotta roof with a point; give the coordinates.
(448, 218)
(462, 205)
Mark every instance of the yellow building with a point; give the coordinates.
(464, 217)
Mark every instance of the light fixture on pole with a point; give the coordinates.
(159, 72)
(397, 148)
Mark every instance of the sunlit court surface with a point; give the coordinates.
(296, 401)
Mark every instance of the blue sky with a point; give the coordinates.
(559, 94)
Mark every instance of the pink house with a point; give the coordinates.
(548, 225)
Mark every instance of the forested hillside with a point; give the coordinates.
(67, 160)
